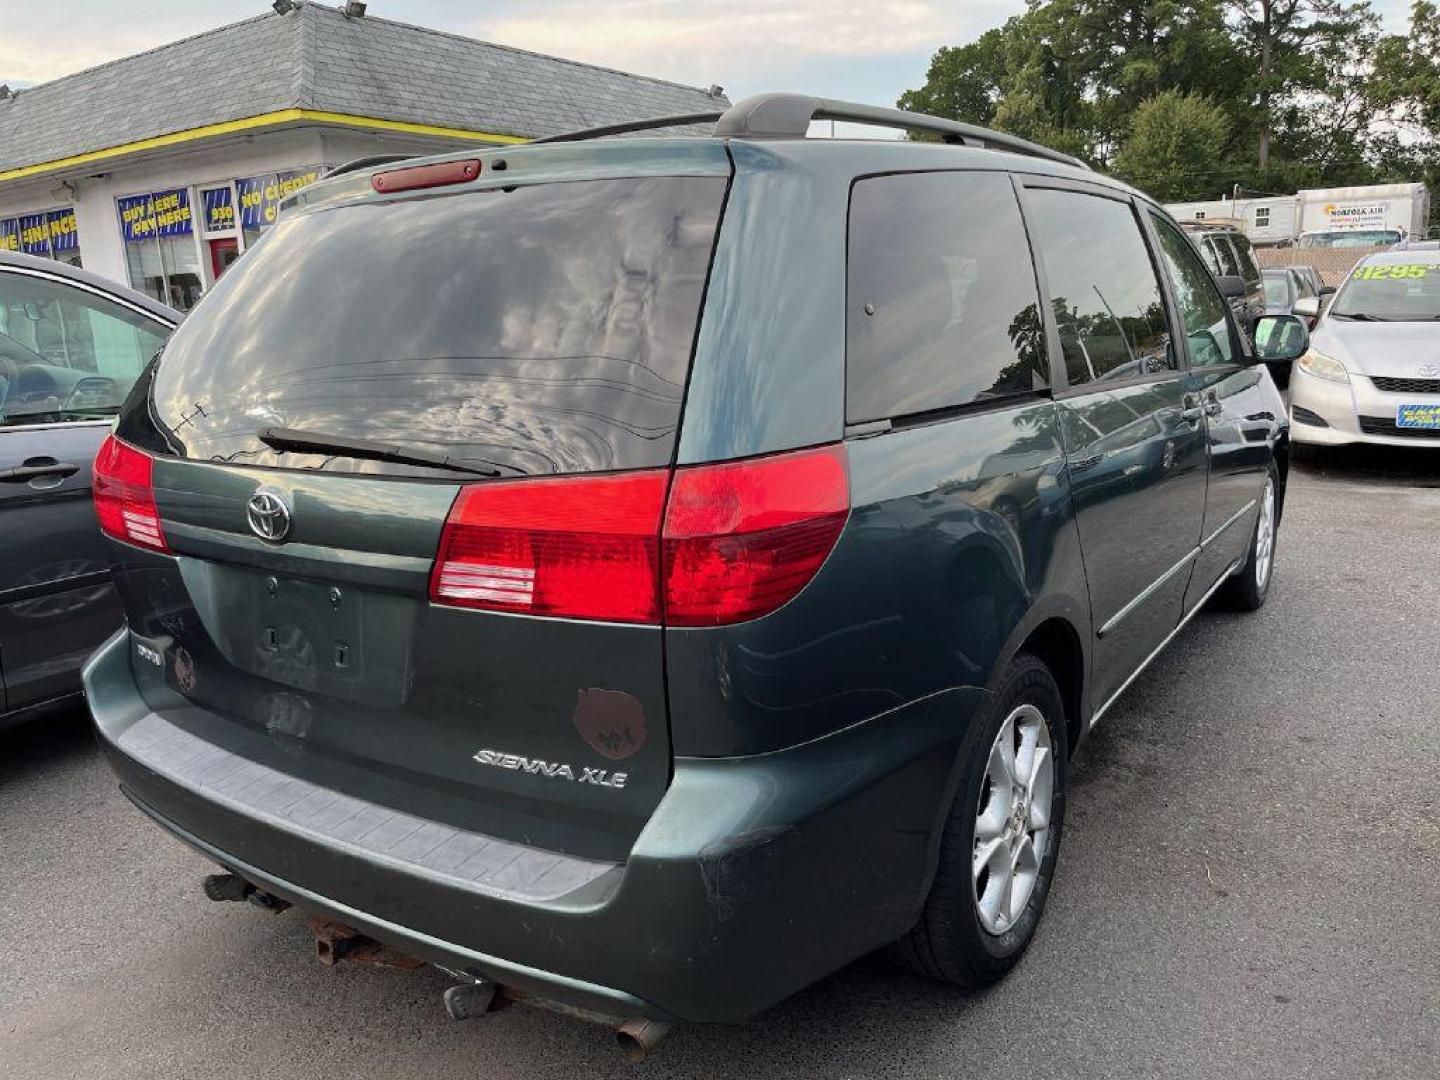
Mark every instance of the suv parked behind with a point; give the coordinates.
(649, 574)
(1228, 253)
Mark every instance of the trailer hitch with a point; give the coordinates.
(335, 942)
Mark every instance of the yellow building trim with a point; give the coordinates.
(248, 123)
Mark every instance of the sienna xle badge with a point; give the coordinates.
(649, 574)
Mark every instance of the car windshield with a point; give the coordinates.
(1391, 291)
(1277, 292)
(1350, 238)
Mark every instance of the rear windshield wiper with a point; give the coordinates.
(315, 442)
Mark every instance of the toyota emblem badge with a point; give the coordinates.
(268, 515)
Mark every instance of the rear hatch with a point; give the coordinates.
(453, 371)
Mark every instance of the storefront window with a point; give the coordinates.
(159, 233)
(218, 228)
(49, 234)
(173, 250)
(260, 197)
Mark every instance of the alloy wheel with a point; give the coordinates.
(1265, 537)
(1012, 819)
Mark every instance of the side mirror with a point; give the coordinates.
(1307, 306)
(1232, 287)
(1326, 290)
(1280, 339)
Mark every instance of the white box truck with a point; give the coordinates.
(1361, 216)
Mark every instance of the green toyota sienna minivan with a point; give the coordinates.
(647, 574)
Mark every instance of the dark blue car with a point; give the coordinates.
(71, 345)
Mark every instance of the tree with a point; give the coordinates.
(1406, 79)
(963, 83)
(1296, 47)
(1176, 145)
(1313, 92)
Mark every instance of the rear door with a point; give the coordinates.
(1134, 437)
(67, 358)
(536, 336)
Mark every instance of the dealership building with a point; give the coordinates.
(159, 169)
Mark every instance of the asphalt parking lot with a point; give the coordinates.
(1249, 887)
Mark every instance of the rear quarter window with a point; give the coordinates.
(941, 299)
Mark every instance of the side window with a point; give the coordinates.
(1207, 252)
(942, 308)
(67, 354)
(1245, 258)
(1225, 256)
(1203, 311)
(1103, 288)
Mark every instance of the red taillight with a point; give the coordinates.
(582, 547)
(739, 539)
(743, 538)
(125, 496)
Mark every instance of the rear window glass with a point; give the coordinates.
(544, 329)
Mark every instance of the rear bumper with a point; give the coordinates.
(754, 877)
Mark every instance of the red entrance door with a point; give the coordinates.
(222, 254)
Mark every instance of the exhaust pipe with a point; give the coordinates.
(232, 888)
(471, 999)
(639, 1036)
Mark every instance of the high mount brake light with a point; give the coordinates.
(125, 495)
(737, 541)
(425, 176)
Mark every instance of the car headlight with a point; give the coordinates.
(1323, 367)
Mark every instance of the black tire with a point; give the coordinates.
(949, 942)
(1245, 591)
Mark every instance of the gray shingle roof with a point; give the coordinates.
(314, 58)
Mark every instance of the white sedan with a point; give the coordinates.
(1372, 373)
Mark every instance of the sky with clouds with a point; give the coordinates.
(867, 52)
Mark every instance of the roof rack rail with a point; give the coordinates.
(632, 125)
(788, 116)
(356, 164)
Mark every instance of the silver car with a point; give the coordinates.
(1372, 372)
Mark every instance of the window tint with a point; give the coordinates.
(1225, 256)
(546, 328)
(1245, 257)
(942, 304)
(1103, 287)
(67, 354)
(1201, 308)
